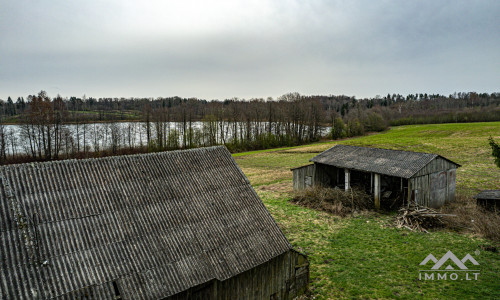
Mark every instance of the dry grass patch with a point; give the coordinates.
(471, 218)
(259, 176)
(334, 201)
(281, 188)
(311, 149)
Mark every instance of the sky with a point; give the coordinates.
(222, 49)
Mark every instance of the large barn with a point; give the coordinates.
(423, 178)
(179, 225)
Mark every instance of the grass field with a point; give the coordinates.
(364, 256)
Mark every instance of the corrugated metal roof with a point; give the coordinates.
(154, 224)
(489, 195)
(383, 161)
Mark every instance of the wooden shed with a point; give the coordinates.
(489, 199)
(423, 178)
(171, 225)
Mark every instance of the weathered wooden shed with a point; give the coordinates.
(423, 178)
(489, 199)
(179, 225)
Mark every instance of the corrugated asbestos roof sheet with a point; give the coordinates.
(489, 195)
(153, 225)
(383, 161)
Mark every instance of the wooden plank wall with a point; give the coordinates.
(452, 184)
(301, 174)
(436, 165)
(284, 277)
(325, 175)
(434, 184)
(435, 189)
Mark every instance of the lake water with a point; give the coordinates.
(100, 136)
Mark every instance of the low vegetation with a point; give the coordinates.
(473, 219)
(334, 201)
(365, 255)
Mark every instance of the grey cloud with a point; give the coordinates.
(360, 48)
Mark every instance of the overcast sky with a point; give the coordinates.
(224, 49)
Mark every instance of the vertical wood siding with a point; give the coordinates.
(435, 189)
(303, 177)
(436, 165)
(283, 277)
(325, 175)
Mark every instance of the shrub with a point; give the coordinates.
(335, 201)
(355, 128)
(472, 218)
(338, 128)
(374, 122)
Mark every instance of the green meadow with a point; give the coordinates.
(364, 256)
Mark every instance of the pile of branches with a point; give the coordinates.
(417, 218)
(335, 201)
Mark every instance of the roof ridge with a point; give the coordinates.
(385, 149)
(111, 157)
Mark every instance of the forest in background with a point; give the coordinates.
(60, 128)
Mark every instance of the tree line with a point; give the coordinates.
(57, 128)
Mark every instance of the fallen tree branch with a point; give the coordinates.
(419, 218)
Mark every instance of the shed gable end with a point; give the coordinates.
(438, 164)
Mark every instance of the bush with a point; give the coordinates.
(334, 201)
(338, 128)
(472, 218)
(374, 122)
(355, 128)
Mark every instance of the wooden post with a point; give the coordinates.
(377, 191)
(314, 177)
(371, 183)
(347, 179)
(409, 191)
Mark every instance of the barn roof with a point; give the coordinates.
(488, 195)
(145, 226)
(382, 161)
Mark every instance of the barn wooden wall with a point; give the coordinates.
(327, 176)
(303, 177)
(284, 277)
(436, 165)
(316, 174)
(435, 189)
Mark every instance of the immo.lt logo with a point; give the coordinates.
(449, 267)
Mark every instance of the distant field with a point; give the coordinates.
(364, 256)
(464, 143)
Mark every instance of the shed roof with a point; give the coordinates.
(150, 225)
(488, 195)
(382, 161)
